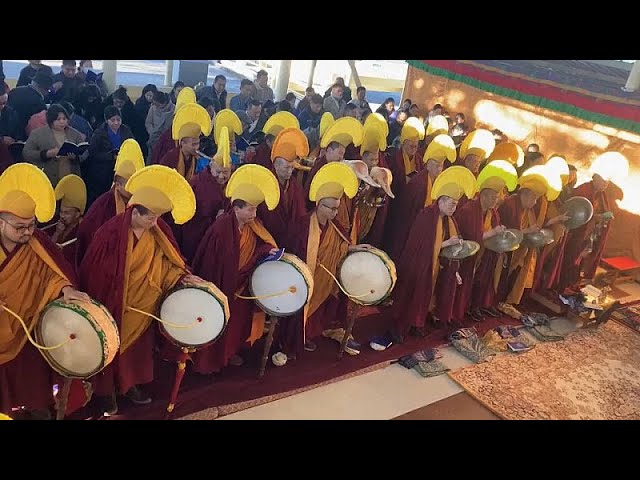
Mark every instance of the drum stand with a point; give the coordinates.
(185, 353)
(352, 313)
(64, 398)
(267, 345)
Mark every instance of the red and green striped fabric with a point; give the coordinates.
(607, 111)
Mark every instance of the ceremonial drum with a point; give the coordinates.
(367, 270)
(87, 335)
(196, 314)
(283, 287)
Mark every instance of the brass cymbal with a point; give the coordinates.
(580, 211)
(463, 250)
(507, 241)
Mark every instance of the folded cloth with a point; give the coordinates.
(470, 346)
(495, 342)
(408, 361)
(544, 333)
(431, 369)
(510, 310)
(427, 355)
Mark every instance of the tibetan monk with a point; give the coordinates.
(72, 194)
(166, 141)
(416, 195)
(33, 272)
(475, 149)
(288, 147)
(427, 282)
(188, 124)
(274, 125)
(478, 220)
(538, 186)
(319, 240)
(131, 263)
(403, 162)
(585, 245)
(228, 254)
(113, 202)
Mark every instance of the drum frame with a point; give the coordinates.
(175, 342)
(393, 283)
(101, 335)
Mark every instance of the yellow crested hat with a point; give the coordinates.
(186, 96)
(254, 184)
(384, 178)
(332, 180)
(611, 166)
(558, 164)
(279, 121)
(226, 118)
(72, 192)
(454, 182)
(25, 191)
(190, 121)
(437, 125)
(441, 148)
(290, 144)
(162, 189)
(542, 181)
(223, 155)
(374, 139)
(480, 142)
(325, 122)
(413, 129)
(377, 119)
(129, 159)
(508, 151)
(345, 130)
(496, 175)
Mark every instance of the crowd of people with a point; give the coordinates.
(181, 189)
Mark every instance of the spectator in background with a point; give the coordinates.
(365, 114)
(77, 121)
(83, 69)
(159, 117)
(143, 103)
(263, 91)
(414, 111)
(459, 130)
(387, 109)
(29, 72)
(406, 105)
(173, 94)
(310, 117)
(219, 90)
(291, 98)
(533, 148)
(334, 103)
(66, 84)
(240, 101)
(350, 110)
(9, 121)
(360, 101)
(346, 91)
(89, 104)
(304, 103)
(395, 127)
(284, 106)
(130, 118)
(28, 100)
(211, 105)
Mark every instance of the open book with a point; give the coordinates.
(93, 77)
(70, 147)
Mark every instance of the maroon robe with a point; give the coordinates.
(28, 380)
(216, 260)
(404, 209)
(549, 265)
(395, 161)
(102, 276)
(101, 211)
(510, 212)
(413, 292)
(210, 199)
(69, 251)
(331, 314)
(263, 156)
(351, 152)
(172, 158)
(163, 145)
(579, 238)
(477, 289)
(280, 220)
(317, 165)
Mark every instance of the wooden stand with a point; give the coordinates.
(64, 399)
(185, 354)
(352, 313)
(267, 345)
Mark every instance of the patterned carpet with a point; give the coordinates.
(593, 375)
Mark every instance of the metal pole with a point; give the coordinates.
(312, 73)
(110, 74)
(282, 81)
(168, 73)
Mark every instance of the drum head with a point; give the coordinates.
(196, 307)
(80, 357)
(274, 277)
(362, 272)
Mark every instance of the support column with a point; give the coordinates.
(354, 73)
(282, 80)
(312, 73)
(110, 74)
(633, 82)
(168, 73)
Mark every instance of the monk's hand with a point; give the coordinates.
(187, 279)
(560, 219)
(70, 293)
(366, 246)
(220, 212)
(456, 240)
(531, 229)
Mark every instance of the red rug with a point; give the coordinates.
(236, 388)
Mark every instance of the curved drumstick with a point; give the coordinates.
(68, 242)
(343, 290)
(169, 324)
(33, 342)
(291, 289)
